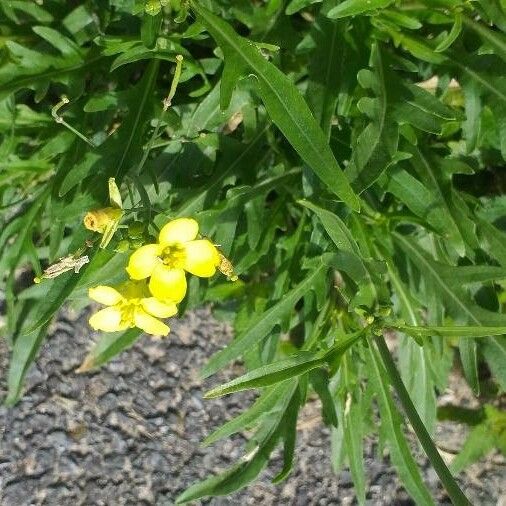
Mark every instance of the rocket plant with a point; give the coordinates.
(340, 163)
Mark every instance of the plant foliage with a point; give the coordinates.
(346, 157)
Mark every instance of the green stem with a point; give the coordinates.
(59, 119)
(167, 102)
(456, 495)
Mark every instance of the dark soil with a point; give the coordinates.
(129, 434)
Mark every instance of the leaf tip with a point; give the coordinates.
(10, 400)
(211, 394)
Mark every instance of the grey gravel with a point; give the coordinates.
(129, 434)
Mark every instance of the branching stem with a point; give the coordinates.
(59, 119)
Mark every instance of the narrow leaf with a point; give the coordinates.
(262, 325)
(354, 7)
(266, 402)
(283, 102)
(108, 347)
(459, 331)
(391, 428)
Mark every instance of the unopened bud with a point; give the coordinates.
(123, 246)
(135, 229)
(137, 243)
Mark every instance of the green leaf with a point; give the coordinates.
(367, 274)
(354, 7)
(335, 227)
(319, 379)
(448, 331)
(263, 324)
(332, 70)
(35, 70)
(391, 429)
(267, 401)
(297, 5)
(282, 100)
(23, 354)
(209, 116)
(108, 346)
(150, 29)
(133, 128)
(413, 358)
(32, 9)
(452, 36)
(353, 430)
(479, 442)
(282, 370)
(354, 448)
(455, 223)
(495, 39)
(495, 353)
(271, 374)
(456, 300)
(376, 146)
(251, 464)
(66, 46)
(289, 436)
(235, 156)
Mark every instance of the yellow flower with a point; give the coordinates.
(130, 306)
(177, 251)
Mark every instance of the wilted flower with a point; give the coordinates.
(130, 305)
(105, 221)
(177, 251)
(98, 220)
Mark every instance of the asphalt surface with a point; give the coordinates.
(130, 433)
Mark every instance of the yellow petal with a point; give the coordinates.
(201, 258)
(149, 324)
(180, 230)
(143, 261)
(108, 320)
(158, 308)
(106, 295)
(168, 284)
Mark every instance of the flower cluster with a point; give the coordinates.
(157, 280)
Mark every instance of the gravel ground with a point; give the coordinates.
(129, 434)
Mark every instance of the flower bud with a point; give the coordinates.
(136, 243)
(135, 229)
(123, 246)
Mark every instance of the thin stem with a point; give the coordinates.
(167, 102)
(59, 119)
(456, 495)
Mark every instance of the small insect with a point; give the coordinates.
(72, 262)
(227, 268)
